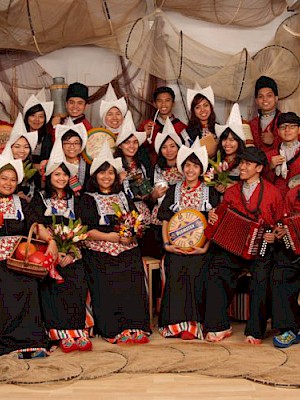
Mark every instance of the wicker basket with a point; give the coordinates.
(24, 266)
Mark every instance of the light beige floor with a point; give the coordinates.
(153, 387)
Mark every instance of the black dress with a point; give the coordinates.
(181, 308)
(21, 326)
(63, 304)
(115, 274)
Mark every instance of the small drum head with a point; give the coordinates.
(4, 135)
(96, 137)
(186, 229)
(210, 143)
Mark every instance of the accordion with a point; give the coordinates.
(292, 238)
(237, 233)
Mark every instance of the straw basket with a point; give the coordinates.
(24, 266)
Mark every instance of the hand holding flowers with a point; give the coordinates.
(67, 237)
(218, 174)
(130, 224)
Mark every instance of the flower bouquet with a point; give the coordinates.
(218, 174)
(67, 237)
(129, 223)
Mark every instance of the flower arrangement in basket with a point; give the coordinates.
(130, 223)
(67, 237)
(218, 174)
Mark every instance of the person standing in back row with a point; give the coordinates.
(76, 102)
(163, 101)
(264, 125)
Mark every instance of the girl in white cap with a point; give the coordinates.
(180, 314)
(74, 138)
(165, 174)
(113, 262)
(231, 144)
(134, 177)
(64, 304)
(37, 113)
(21, 328)
(202, 120)
(20, 145)
(112, 111)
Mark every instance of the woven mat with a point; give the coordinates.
(230, 358)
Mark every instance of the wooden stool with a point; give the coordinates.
(151, 264)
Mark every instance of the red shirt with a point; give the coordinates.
(292, 201)
(293, 167)
(257, 131)
(271, 206)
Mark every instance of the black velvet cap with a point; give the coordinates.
(288, 118)
(77, 89)
(254, 154)
(266, 82)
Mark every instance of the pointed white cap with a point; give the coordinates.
(19, 130)
(105, 155)
(17, 164)
(234, 122)
(128, 129)
(80, 129)
(199, 151)
(168, 131)
(40, 98)
(206, 92)
(109, 101)
(57, 157)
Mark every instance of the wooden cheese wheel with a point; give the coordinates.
(96, 137)
(186, 229)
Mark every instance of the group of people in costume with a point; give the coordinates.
(157, 170)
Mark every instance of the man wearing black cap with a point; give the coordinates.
(254, 198)
(76, 101)
(263, 127)
(284, 161)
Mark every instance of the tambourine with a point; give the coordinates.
(96, 137)
(186, 229)
(210, 143)
(4, 135)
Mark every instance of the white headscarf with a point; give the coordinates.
(128, 129)
(19, 130)
(199, 151)
(40, 98)
(105, 155)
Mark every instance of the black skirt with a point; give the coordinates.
(118, 292)
(182, 298)
(63, 304)
(20, 317)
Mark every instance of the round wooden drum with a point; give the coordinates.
(210, 143)
(96, 137)
(186, 229)
(4, 135)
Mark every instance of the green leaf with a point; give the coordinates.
(116, 207)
